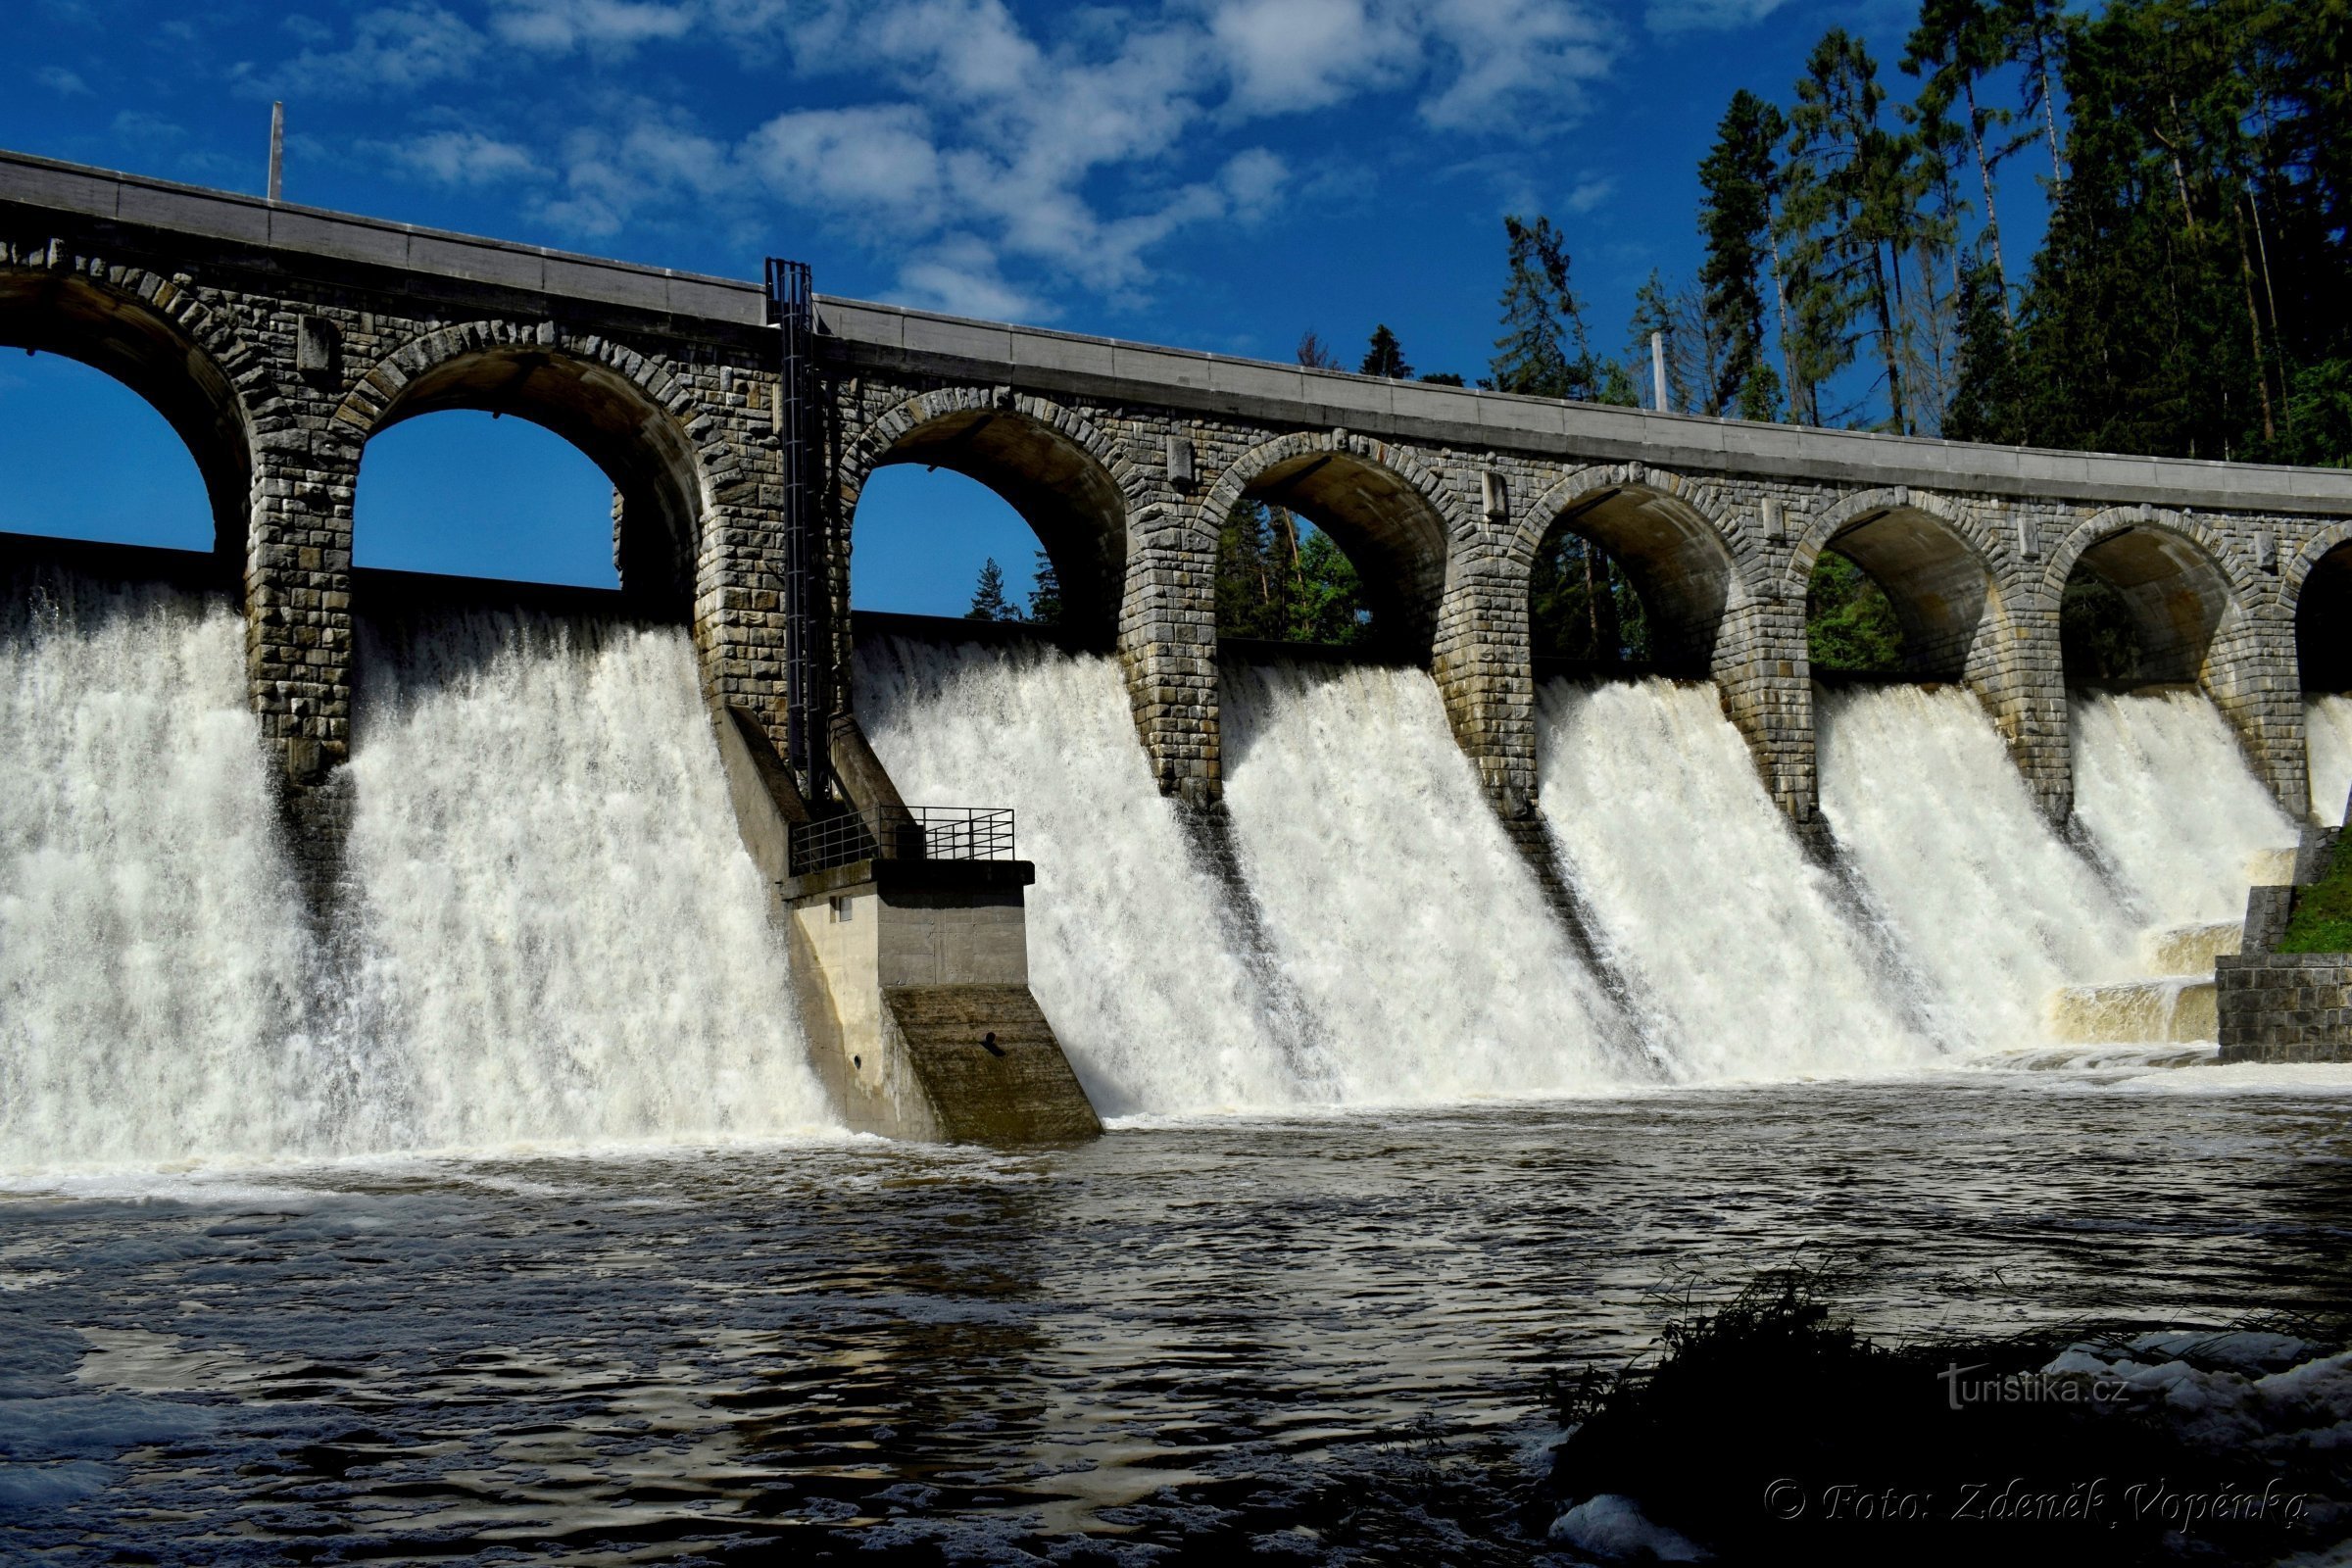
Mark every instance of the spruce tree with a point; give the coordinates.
(988, 596)
(1385, 357)
(1738, 176)
(1045, 593)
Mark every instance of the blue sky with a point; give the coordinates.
(1216, 174)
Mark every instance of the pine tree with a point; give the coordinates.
(1045, 593)
(1984, 405)
(1739, 176)
(1532, 354)
(1385, 357)
(988, 596)
(1544, 350)
(1954, 46)
(1853, 204)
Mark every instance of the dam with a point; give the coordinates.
(495, 1072)
(401, 863)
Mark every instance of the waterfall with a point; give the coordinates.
(2022, 937)
(1402, 910)
(551, 928)
(546, 930)
(1996, 911)
(1704, 893)
(154, 993)
(2328, 724)
(2163, 788)
(1127, 947)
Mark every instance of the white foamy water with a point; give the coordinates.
(2166, 793)
(2328, 732)
(1704, 893)
(1127, 947)
(1408, 919)
(1997, 914)
(152, 951)
(553, 930)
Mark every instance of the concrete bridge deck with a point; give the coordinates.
(278, 339)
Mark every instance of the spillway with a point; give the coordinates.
(154, 989)
(552, 931)
(1702, 893)
(1398, 914)
(2327, 728)
(2020, 936)
(547, 930)
(1127, 951)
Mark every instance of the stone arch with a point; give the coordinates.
(1391, 516)
(1941, 567)
(626, 414)
(2314, 592)
(2186, 588)
(155, 337)
(1671, 536)
(1049, 464)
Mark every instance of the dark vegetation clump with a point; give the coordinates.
(1770, 1430)
(2322, 917)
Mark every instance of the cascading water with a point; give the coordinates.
(1995, 910)
(1409, 920)
(2020, 939)
(1704, 893)
(1127, 949)
(1400, 917)
(547, 930)
(154, 999)
(551, 929)
(2328, 724)
(2163, 790)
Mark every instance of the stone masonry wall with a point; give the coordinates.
(302, 367)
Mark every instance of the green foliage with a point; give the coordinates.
(988, 596)
(2322, 921)
(1045, 593)
(1442, 378)
(1384, 356)
(1281, 580)
(1850, 622)
(1582, 605)
(2098, 636)
(1851, 213)
(1544, 351)
(1739, 177)
(2319, 414)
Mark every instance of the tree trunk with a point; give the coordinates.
(1992, 219)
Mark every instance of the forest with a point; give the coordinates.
(2187, 297)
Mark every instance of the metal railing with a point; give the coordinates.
(903, 833)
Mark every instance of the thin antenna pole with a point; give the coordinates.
(1657, 370)
(277, 148)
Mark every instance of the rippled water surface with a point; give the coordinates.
(1204, 1335)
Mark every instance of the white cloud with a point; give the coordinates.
(466, 158)
(58, 79)
(558, 27)
(1523, 65)
(391, 51)
(1292, 55)
(1001, 160)
(1587, 194)
(879, 156)
(1696, 16)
